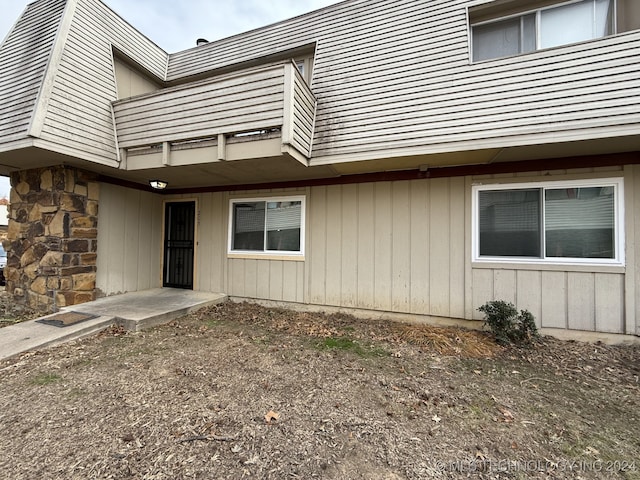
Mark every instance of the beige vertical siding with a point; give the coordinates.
(212, 241)
(402, 247)
(317, 241)
(590, 299)
(254, 277)
(632, 279)
(419, 280)
(387, 246)
(439, 247)
(129, 240)
(25, 54)
(368, 246)
(349, 260)
(78, 116)
(390, 246)
(130, 82)
(528, 286)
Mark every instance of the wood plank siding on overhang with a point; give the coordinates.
(272, 98)
(392, 79)
(23, 61)
(57, 77)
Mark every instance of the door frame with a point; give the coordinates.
(196, 243)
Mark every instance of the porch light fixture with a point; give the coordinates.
(158, 184)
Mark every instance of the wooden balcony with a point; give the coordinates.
(258, 113)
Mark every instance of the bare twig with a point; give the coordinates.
(536, 378)
(217, 438)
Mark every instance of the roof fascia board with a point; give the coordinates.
(46, 87)
(75, 153)
(283, 55)
(527, 139)
(16, 144)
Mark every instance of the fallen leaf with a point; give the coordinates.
(271, 416)
(508, 416)
(591, 451)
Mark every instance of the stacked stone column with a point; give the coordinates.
(52, 237)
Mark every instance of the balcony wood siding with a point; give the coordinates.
(393, 77)
(269, 97)
(234, 103)
(79, 120)
(304, 109)
(25, 54)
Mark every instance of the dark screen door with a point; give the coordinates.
(179, 232)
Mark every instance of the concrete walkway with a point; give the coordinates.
(134, 311)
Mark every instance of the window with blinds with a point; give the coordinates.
(575, 222)
(267, 226)
(548, 26)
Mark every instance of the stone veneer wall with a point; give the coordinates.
(52, 237)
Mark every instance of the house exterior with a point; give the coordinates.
(405, 157)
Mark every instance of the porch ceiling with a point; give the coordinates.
(28, 157)
(258, 170)
(283, 168)
(493, 155)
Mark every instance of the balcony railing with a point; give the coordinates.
(256, 104)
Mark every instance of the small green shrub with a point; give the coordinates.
(507, 325)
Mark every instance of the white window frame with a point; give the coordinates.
(537, 12)
(284, 254)
(616, 182)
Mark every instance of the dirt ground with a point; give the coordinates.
(241, 391)
(12, 312)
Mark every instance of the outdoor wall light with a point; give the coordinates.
(158, 184)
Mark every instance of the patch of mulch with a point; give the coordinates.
(440, 340)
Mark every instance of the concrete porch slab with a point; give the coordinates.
(139, 310)
(134, 311)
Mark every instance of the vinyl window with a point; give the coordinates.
(267, 226)
(553, 222)
(551, 26)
